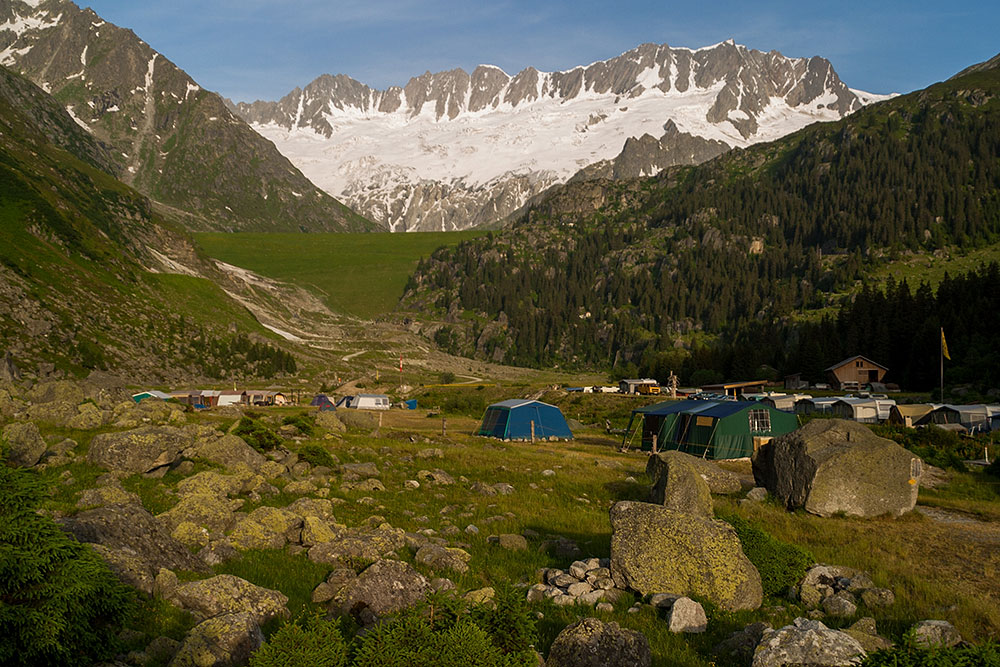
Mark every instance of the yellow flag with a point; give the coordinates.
(944, 346)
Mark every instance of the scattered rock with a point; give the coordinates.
(936, 634)
(480, 596)
(655, 549)
(436, 476)
(356, 471)
(226, 594)
(591, 642)
(686, 615)
(430, 453)
(385, 587)
(328, 420)
(878, 598)
(443, 558)
(807, 642)
(112, 494)
(230, 451)
(758, 494)
(509, 541)
(227, 640)
(25, 445)
(677, 484)
(840, 605)
(140, 450)
(832, 465)
(865, 633)
(738, 648)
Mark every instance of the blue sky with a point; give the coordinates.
(261, 49)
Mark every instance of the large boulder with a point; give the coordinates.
(202, 509)
(330, 421)
(136, 544)
(229, 451)
(807, 643)
(719, 480)
(24, 444)
(591, 642)
(223, 641)
(385, 587)
(677, 484)
(658, 550)
(226, 594)
(832, 465)
(936, 634)
(139, 450)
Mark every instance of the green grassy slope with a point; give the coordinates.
(362, 275)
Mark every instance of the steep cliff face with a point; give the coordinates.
(172, 140)
(453, 150)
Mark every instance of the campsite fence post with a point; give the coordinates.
(444, 427)
(532, 431)
(654, 443)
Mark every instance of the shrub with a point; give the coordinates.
(257, 435)
(936, 446)
(302, 421)
(908, 655)
(315, 642)
(447, 377)
(59, 602)
(316, 455)
(781, 565)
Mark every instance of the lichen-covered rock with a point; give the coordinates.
(436, 476)
(226, 594)
(88, 417)
(192, 536)
(127, 566)
(230, 451)
(111, 494)
(719, 480)
(302, 487)
(878, 598)
(593, 643)
(227, 640)
(266, 528)
(140, 450)
(370, 485)
(330, 421)
(370, 545)
(832, 465)
(739, 646)
(202, 509)
(677, 484)
(807, 643)
(936, 634)
(686, 615)
(385, 587)
(654, 549)
(272, 469)
(317, 507)
(24, 444)
(130, 531)
(866, 634)
(443, 558)
(316, 531)
(210, 482)
(355, 471)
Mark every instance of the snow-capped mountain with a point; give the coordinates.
(453, 150)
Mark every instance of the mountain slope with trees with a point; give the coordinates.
(602, 274)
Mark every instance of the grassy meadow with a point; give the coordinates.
(939, 570)
(362, 275)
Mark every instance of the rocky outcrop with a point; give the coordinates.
(140, 450)
(24, 444)
(831, 466)
(226, 594)
(591, 642)
(677, 484)
(657, 550)
(807, 642)
(385, 587)
(137, 545)
(227, 640)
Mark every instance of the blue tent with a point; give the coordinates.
(512, 420)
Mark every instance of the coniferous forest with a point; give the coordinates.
(736, 247)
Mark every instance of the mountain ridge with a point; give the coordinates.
(453, 149)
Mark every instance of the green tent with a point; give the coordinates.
(712, 429)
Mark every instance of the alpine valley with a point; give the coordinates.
(455, 150)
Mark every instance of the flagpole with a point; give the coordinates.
(942, 364)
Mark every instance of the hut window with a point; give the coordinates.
(760, 421)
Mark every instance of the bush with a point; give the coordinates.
(302, 421)
(781, 565)
(908, 655)
(315, 642)
(316, 455)
(59, 602)
(257, 434)
(936, 446)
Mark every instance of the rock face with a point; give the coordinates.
(130, 532)
(677, 484)
(138, 451)
(226, 594)
(832, 465)
(224, 641)
(384, 587)
(25, 444)
(657, 550)
(592, 643)
(807, 643)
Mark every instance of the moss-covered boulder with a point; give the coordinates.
(658, 550)
(224, 641)
(139, 450)
(677, 485)
(230, 451)
(226, 594)
(24, 444)
(591, 642)
(831, 465)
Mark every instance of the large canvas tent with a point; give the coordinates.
(711, 429)
(512, 420)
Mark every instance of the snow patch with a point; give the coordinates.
(79, 122)
(281, 332)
